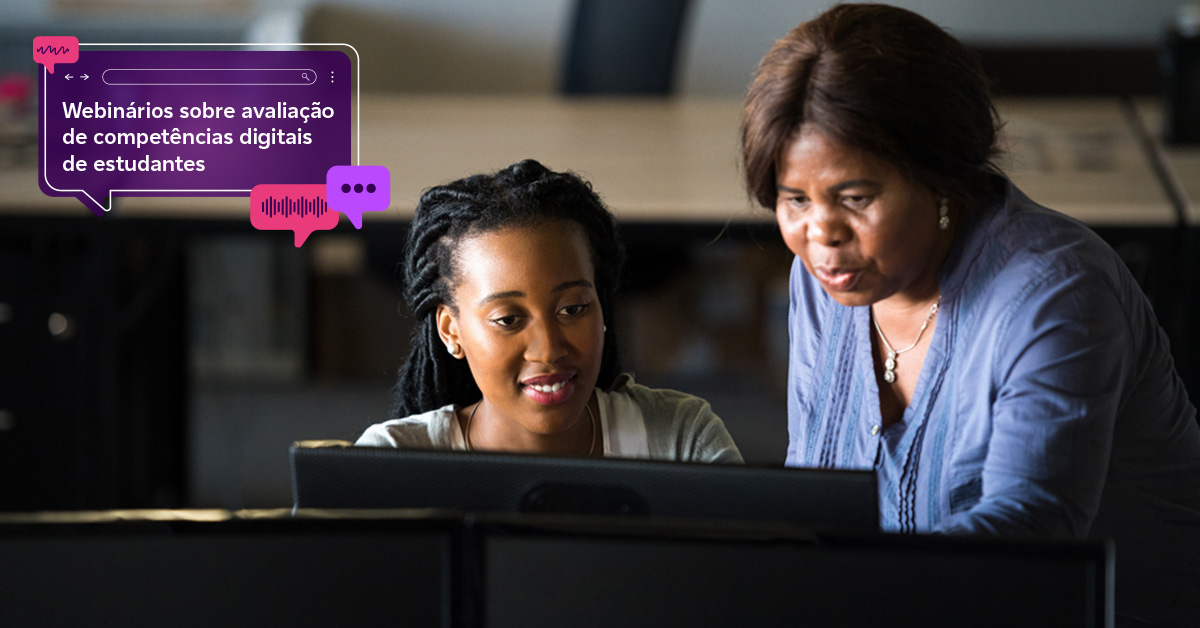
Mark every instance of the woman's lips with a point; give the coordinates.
(549, 390)
(838, 279)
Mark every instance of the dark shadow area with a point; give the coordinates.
(1061, 70)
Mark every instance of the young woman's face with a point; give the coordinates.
(862, 229)
(530, 325)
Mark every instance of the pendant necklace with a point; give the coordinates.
(889, 365)
(466, 431)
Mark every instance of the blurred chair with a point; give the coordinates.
(399, 52)
(623, 47)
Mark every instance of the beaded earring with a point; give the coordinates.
(944, 214)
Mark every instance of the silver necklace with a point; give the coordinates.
(471, 417)
(889, 365)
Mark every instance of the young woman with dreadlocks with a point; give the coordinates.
(511, 277)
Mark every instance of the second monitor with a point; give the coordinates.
(326, 475)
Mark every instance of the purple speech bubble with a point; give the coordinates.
(51, 49)
(192, 123)
(353, 190)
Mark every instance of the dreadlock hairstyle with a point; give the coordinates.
(521, 195)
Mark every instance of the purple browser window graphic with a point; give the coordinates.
(191, 123)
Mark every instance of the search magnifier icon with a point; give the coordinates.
(304, 75)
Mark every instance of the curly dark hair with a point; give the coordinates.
(521, 195)
(880, 79)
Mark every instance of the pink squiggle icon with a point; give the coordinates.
(51, 49)
(300, 208)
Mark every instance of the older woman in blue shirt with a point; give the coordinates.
(992, 360)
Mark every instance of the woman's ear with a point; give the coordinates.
(447, 329)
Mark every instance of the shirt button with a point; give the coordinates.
(874, 430)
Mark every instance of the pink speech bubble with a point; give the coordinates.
(51, 49)
(300, 208)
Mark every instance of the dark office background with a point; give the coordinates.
(151, 365)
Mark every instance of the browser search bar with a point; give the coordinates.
(194, 76)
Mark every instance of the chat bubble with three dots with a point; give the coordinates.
(353, 190)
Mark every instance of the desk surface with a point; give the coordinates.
(1081, 157)
(672, 160)
(1182, 162)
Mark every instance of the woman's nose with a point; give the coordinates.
(827, 227)
(546, 342)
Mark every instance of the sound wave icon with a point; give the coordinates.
(272, 206)
(54, 50)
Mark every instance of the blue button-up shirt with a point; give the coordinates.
(1047, 404)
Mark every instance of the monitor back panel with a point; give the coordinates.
(363, 477)
(134, 576)
(541, 580)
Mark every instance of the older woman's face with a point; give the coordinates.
(862, 229)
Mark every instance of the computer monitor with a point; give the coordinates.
(141, 569)
(341, 476)
(531, 576)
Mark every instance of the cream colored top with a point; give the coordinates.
(636, 421)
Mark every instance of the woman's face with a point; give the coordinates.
(862, 229)
(530, 325)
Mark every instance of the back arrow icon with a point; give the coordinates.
(68, 77)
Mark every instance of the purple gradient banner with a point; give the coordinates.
(191, 123)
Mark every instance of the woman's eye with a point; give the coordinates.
(856, 202)
(505, 321)
(792, 204)
(572, 310)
